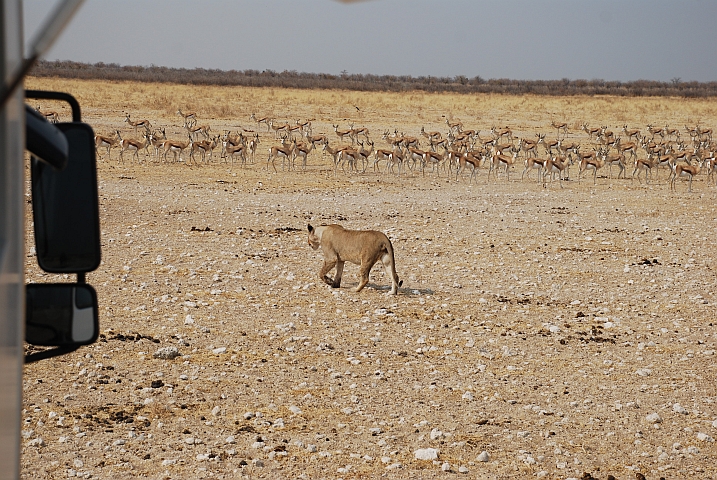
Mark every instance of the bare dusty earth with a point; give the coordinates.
(545, 327)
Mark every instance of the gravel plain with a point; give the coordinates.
(539, 332)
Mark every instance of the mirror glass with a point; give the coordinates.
(61, 314)
(66, 207)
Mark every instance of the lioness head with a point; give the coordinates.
(314, 240)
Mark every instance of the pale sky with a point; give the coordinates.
(515, 39)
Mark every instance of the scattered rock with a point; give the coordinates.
(653, 418)
(484, 457)
(427, 454)
(166, 353)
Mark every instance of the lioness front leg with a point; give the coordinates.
(324, 270)
(339, 273)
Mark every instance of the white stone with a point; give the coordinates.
(189, 440)
(653, 418)
(446, 467)
(463, 469)
(677, 408)
(394, 466)
(644, 372)
(188, 320)
(436, 434)
(468, 396)
(166, 353)
(295, 410)
(703, 437)
(311, 448)
(484, 457)
(37, 442)
(426, 454)
(385, 459)
(220, 350)
(230, 439)
(168, 462)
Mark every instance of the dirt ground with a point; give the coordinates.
(539, 332)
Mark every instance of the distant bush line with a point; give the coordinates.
(372, 83)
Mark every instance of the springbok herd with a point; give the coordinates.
(458, 152)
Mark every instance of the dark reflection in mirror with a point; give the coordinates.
(61, 314)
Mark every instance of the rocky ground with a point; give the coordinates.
(539, 333)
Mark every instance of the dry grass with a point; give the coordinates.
(405, 111)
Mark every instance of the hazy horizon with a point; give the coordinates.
(518, 40)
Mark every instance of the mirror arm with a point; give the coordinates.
(54, 352)
(47, 95)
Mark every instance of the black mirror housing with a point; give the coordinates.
(66, 206)
(45, 141)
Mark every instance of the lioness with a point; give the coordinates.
(361, 247)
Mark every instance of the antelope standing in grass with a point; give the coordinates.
(594, 163)
(643, 165)
(335, 154)
(303, 152)
(502, 132)
(711, 169)
(343, 134)
(106, 142)
(555, 165)
(454, 126)
(465, 160)
(285, 152)
(591, 131)
(533, 164)
(397, 158)
(559, 126)
(431, 135)
(252, 146)
(378, 155)
(195, 130)
(632, 133)
(139, 123)
(259, 121)
(175, 147)
(50, 116)
(613, 159)
(435, 159)
(190, 118)
(127, 144)
(499, 160)
(686, 171)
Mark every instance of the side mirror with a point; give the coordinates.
(66, 206)
(43, 140)
(60, 315)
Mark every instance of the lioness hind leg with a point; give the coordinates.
(390, 267)
(324, 270)
(363, 275)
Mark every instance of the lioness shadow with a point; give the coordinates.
(401, 290)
